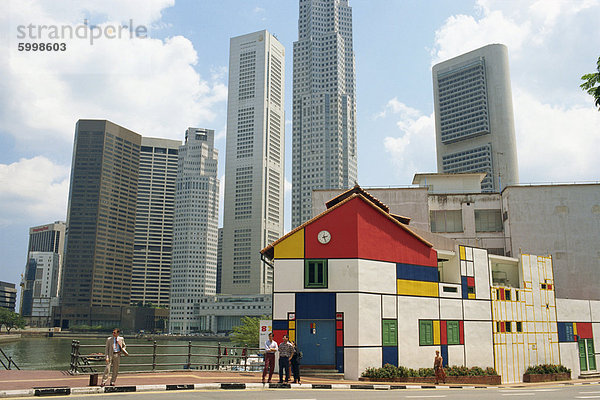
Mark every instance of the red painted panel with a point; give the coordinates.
(339, 324)
(584, 330)
(339, 338)
(278, 335)
(502, 324)
(461, 327)
(502, 298)
(470, 281)
(443, 333)
(360, 231)
(549, 286)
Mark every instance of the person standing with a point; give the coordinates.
(286, 351)
(438, 367)
(296, 363)
(270, 350)
(115, 346)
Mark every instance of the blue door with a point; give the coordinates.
(316, 340)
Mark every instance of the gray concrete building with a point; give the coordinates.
(562, 221)
(324, 153)
(195, 229)
(254, 162)
(8, 295)
(474, 120)
(221, 313)
(153, 247)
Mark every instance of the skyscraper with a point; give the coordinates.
(324, 104)
(40, 284)
(151, 274)
(254, 165)
(474, 121)
(101, 222)
(195, 229)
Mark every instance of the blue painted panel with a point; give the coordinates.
(339, 359)
(444, 351)
(315, 305)
(416, 272)
(280, 325)
(465, 289)
(565, 332)
(318, 346)
(389, 355)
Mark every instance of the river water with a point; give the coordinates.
(55, 353)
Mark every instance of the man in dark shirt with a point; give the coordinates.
(286, 351)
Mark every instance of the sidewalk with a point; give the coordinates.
(39, 383)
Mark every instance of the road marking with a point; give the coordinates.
(587, 397)
(518, 394)
(546, 390)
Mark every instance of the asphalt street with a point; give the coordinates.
(591, 391)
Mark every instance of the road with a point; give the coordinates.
(591, 391)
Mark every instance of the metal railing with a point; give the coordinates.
(9, 361)
(152, 358)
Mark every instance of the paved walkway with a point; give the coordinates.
(16, 383)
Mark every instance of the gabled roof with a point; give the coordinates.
(269, 250)
(357, 190)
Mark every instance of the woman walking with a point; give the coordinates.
(438, 367)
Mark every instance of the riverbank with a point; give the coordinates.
(9, 338)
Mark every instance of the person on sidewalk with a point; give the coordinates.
(115, 346)
(438, 367)
(296, 363)
(286, 351)
(270, 350)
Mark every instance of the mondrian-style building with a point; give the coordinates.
(357, 287)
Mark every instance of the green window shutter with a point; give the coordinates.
(591, 355)
(582, 355)
(389, 331)
(453, 332)
(315, 273)
(425, 333)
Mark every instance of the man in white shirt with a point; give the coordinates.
(115, 346)
(270, 350)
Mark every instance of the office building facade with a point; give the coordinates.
(324, 153)
(48, 239)
(101, 221)
(8, 295)
(195, 229)
(40, 288)
(254, 169)
(474, 120)
(153, 247)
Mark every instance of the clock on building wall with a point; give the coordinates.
(324, 237)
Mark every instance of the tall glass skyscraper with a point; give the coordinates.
(254, 164)
(101, 223)
(324, 154)
(474, 120)
(195, 230)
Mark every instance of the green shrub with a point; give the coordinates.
(547, 369)
(389, 371)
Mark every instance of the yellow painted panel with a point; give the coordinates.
(436, 332)
(463, 256)
(292, 325)
(574, 328)
(291, 247)
(418, 288)
(471, 295)
(292, 335)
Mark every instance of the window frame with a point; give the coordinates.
(307, 281)
(425, 332)
(392, 339)
(453, 332)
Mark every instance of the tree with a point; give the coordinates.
(11, 319)
(247, 334)
(591, 84)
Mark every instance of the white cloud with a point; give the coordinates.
(414, 149)
(147, 85)
(34, 191)
(556, 143)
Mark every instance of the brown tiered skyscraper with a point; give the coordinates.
(101, 224)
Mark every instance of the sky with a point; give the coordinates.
(173, 75)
